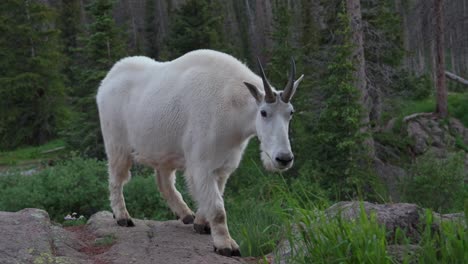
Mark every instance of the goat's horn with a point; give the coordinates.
(288, 90)
(269, 96)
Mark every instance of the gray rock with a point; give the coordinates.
(420, 137)
(429, 131)
(391, 176)
(155, 242)
(28, 236)
(398, 215)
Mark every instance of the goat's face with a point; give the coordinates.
(272, 121)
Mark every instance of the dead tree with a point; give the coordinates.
(441, 96)
(353, 8)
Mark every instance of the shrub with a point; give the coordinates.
(77, 185)
(415, 87)
(144, 200)
(436, 183)
(80, 185)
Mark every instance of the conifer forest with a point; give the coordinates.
(381, 117)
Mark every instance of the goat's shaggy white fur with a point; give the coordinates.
(193, 114)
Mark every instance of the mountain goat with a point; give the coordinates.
(196, 114)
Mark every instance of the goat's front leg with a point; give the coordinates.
(211, 205)
(201, 224)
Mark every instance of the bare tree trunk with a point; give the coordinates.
(353, 8)
(441, 99)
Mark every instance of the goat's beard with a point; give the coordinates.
(267, 162)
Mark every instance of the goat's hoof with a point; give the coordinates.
(236, 253)
(227, 252)
(125, 222)
(202, 229)
(188, 219)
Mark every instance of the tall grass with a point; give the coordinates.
(317, 238)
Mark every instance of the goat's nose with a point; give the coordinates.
(284, 158)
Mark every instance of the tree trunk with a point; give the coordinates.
(353, 8)
(441, 105)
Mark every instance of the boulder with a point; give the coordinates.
(429, 132)
(393, 216)
(28, 236)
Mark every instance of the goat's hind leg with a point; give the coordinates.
(166, 184)
(119, 175)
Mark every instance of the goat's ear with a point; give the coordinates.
(254, 91)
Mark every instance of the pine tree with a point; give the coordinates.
(338, 138)
(69, 23)
(152, 30)
(282, 50)
(101, 47)
(196, 25)
(31, 84)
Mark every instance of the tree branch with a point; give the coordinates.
(456, 78)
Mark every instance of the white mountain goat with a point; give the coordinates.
(193, 114)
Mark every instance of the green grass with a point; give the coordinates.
(76, 222)
(31, 154)
(457, 104)
(322, 239)
(107, 240)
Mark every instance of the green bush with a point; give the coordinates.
(412, 86)
(458, 107)
(144, 200)
(80, 185)
(77, 185)
(436, 183)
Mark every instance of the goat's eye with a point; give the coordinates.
(263, 113)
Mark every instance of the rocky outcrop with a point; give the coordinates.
(431, 133)
(28, 236)
(416, 135)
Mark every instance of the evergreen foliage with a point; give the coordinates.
(69, 23)
(337, 136)
(282, 49)
(196, 25)
(384, 37)
(31, 84)
(152, 30)
(101, 46)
